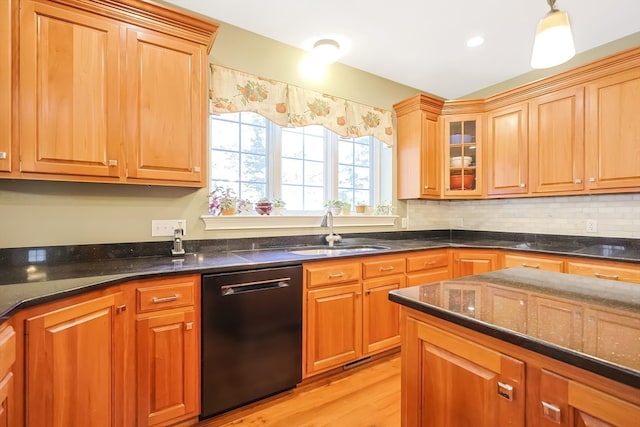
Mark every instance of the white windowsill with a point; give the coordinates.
(232, 222)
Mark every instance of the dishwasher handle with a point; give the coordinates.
(263, 285)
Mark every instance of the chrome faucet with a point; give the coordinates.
(327, 221)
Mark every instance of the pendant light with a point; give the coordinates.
(553, 44)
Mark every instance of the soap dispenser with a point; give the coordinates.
(177, 242)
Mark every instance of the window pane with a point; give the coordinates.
(292, 171)
(253, 168)
(354, 170)
(225, 166)
(314, 198)
(314, 148)
(293, 195)
(314, 173)
(253, 139)
(362, 154)
(224, 135)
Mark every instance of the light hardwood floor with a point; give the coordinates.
(367, 396)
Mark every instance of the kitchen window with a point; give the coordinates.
(304, 166)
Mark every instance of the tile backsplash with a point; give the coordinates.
(615, 215)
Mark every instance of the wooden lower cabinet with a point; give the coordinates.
(74, 364)
(467, 262)
(453, 376)
(560, 401)
(381, 317)
(603, 270)
(167, 375)
(7, 359)
(334, 326)
(448, 381)
(428, 266)
(535, 262)
(167, 350)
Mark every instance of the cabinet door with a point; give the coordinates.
(167, 353)
(69, 92)
(508, 147)
(166, 116)
(334, 326)
(449, 381)
(6, 89)
(381, 317)
(612, 131)
(557, 141)
(466, 263)
(74, 365)
(463, 156)
(7, 359)
(566, 403)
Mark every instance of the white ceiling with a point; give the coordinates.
(421, 43)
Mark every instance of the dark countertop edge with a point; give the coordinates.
(580, 360)
(91, 283)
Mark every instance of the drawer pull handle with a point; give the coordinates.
(551, 412)
(525, 265)
(121, 308)
(429, 262)
(505, 390)
(389, 268)
(606, 276)
(157, 300)
(188, 326)
(336, 275)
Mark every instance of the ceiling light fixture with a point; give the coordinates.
(326, 51)
(553, 44)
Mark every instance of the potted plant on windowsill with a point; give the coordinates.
(335, 206)
(264, 206)
(222, 201)
(279, 206)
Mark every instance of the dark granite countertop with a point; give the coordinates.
(31, 276)
(467, 302)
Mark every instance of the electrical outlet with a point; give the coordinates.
(592, 226)
(403, 223)
(459, 222)
(165, 227)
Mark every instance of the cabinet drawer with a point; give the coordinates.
(427, 261)
(610, 272)
(7, 350)
(166, 293)
(382, 267)
(329, 273)
(537, 263)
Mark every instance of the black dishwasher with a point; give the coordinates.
(251, 336)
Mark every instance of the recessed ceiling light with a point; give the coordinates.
(475, 41)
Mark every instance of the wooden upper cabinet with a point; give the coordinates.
(613, 131)
(6, 88)
(557, 141)
(69, 92)
(112, 92)
(462, 155)
(508, 157)
(419, 148)
(166, 96)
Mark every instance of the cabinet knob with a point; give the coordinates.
(112, 163)
(3, 155)
(196, 168)
(592, 179)
(188, 326)
(121, 308)
(578, 181)
(523, 185)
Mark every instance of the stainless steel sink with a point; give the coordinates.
(336, 250)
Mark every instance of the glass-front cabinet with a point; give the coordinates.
(462, 173)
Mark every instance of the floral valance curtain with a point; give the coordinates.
(288, 105)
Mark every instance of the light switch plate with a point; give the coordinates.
(165, 227)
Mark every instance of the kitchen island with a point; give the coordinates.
(520, 347)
